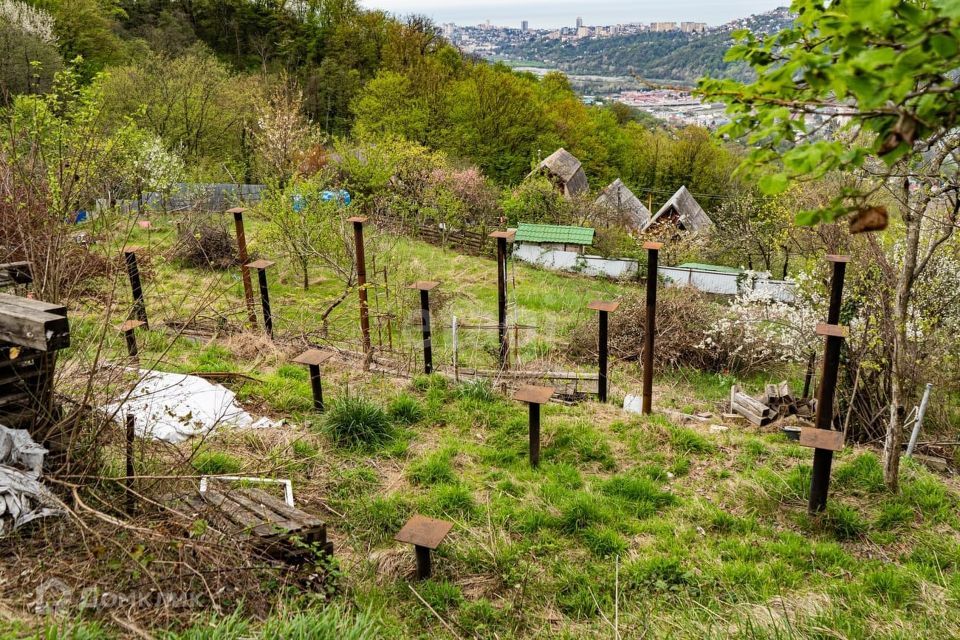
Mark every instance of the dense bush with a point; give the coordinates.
(205, 243)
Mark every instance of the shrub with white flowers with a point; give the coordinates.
(759, 332)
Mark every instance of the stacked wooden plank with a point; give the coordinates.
(750, 408)
(777, 401)
(279, 530)
(31, 332)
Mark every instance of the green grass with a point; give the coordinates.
(709, 530)
(356, 422)
(210, 463)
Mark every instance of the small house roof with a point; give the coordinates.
(691, 215)
(618, 197)
(564, 166)
(553, 233)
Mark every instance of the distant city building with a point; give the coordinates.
(524, 25)
(663, 26)
(579, 22)
(693, 27)
(583, 32)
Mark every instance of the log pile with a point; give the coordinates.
(776, 402)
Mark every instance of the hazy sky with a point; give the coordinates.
(555, 13)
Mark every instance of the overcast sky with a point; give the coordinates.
(555, 13)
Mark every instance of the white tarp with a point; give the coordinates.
(174, 407)
(22, 496)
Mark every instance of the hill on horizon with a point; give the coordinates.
(672, 56)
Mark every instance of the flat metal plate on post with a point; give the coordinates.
(133, 249)
(236, 210)
(533, 394)
(825, 439)
(313, 357)
(838, 258)
(653, 245)
(506, 235)
(832, 330)
(130, 325)
(599, 305)
(360, 219)
(424, 532)
(260, 264)
(424, 285)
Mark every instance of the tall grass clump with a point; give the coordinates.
(405, 409)
(479, 390)
(357, 423)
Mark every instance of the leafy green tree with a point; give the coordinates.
(869, 88)
(194, 103)
(389, 106)
(496, 121)
(29, 59)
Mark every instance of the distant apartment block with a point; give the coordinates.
(663, 26)
(579, 22)
(524, 25)
(693, 27)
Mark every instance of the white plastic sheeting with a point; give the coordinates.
(22, 496)
(174, 407)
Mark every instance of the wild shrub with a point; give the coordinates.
(205, 242)
(355, 422)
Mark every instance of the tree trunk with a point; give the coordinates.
(305, 267)
(894, 437)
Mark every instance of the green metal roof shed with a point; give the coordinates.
(553, 233)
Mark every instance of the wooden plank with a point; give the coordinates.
(12, 273)
(283, 508)
(35, 329)
(755, 405)
(821, 439)
(240, 516)
(261, 511)
(749, 414)
(32, 305)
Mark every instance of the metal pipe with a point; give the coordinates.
(919, 421)
(823, 458)
(650, 328)
(316, 386)
(502, 303)
(133, 271)
(130, 424)
(265, 301)
(362, 283)
(602, 344)
(534, 434)
(425, 323)
(244, 271)
(423, 562)
(131, 338)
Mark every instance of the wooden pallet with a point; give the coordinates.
(279, 530)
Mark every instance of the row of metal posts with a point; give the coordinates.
(833, 332)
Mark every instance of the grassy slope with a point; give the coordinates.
(710, 527)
